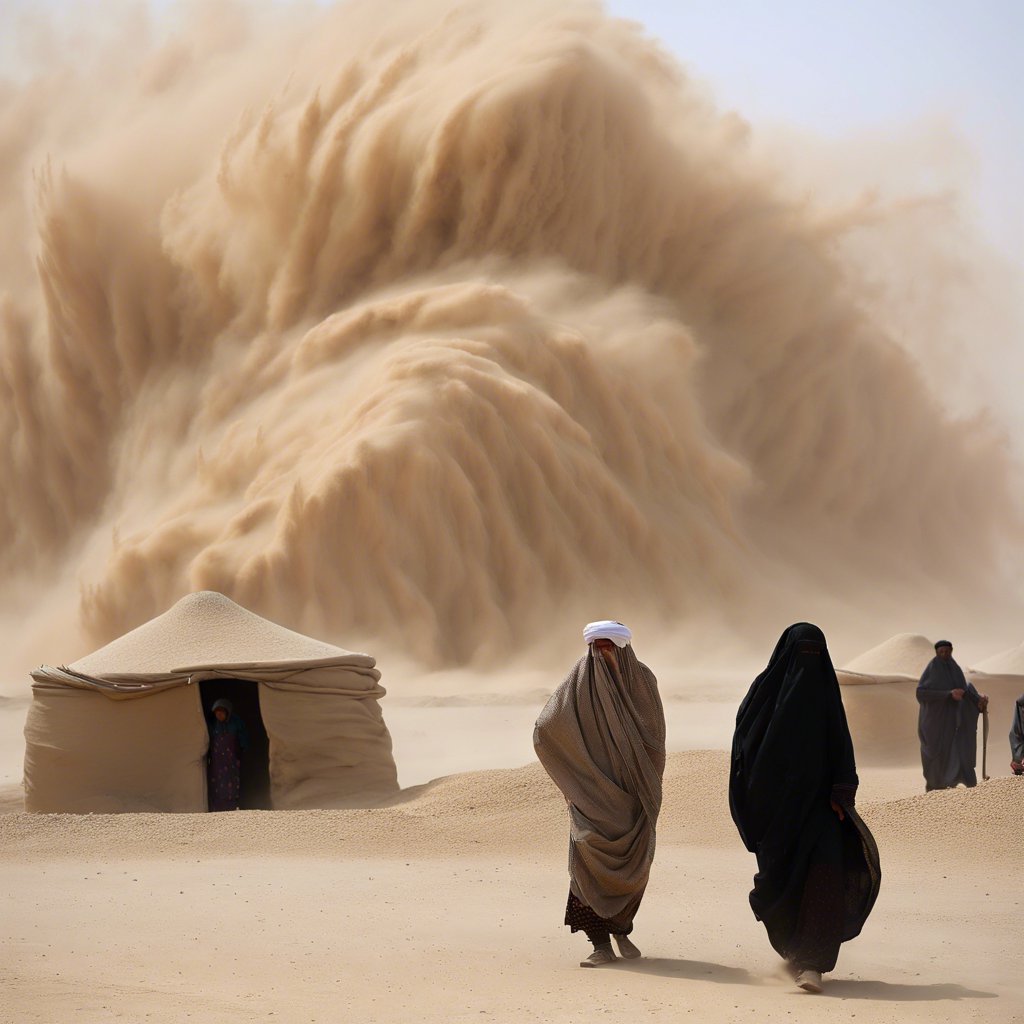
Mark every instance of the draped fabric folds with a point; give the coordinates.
(947, 728)
(792, 753)
(601, 738)
(1017, 732)
(122, 729)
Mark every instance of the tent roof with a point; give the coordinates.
(905, 654)
(208, 629)
(1006, 663)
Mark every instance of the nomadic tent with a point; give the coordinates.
(901, 658)
(879, 695)
(1007, 664)
(125, 728)
(1001, 678)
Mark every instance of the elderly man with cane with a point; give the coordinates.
(947, 724)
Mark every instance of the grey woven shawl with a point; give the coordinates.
(601, 738)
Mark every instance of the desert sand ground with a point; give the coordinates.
(447, 905)
(440, 323)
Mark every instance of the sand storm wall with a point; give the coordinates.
(421, 328)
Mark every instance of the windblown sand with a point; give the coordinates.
(447, 906)
(424, 331)
(419, 334)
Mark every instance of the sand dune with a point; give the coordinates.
(293, 915)
(966, 825)
(491, 813)
(446, 906)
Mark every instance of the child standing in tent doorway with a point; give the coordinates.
(228, 738)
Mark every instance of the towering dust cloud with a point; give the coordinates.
(437, 325)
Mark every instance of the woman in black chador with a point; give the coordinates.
(791, 793)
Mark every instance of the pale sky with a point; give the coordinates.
(839, 67)
(835, 68)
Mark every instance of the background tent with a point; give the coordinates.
(879, 693)
(901, 658)
(1001, 676)
(879, 696)
(1005, 665)
(124, 729)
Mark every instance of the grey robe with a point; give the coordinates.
(947, 728)
(1017, 731)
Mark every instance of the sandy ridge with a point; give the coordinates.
(509, 811)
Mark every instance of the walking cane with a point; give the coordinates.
(984, 745)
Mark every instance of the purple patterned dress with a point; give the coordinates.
(224, 774)
(228, 739)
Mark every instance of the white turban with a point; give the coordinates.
(606, 629)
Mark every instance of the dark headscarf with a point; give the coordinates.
(791, 754)
(792, 743)
(232, 724)
(942, 674)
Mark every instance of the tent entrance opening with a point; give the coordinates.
(254, 774)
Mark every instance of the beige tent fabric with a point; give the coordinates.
(900, 658)
(123, 729)
(316, 758)
(1006, 663)
(601, 738)
(86, 753)
(207, 629)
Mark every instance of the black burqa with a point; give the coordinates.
(817, 877)
(947, 728)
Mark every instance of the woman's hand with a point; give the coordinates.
(838, 809)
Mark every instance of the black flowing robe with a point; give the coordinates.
(791, 754)
(947, 728)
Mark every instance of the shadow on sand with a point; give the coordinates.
(884, 992)
(691, 970)
(878, 991)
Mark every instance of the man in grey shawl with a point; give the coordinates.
(601, 738)
(1017, 738)
(947, 723)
